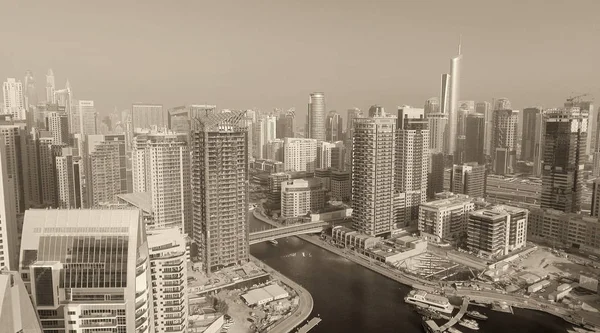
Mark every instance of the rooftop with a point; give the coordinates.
(455, 200)
(142, 200)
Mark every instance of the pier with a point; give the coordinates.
(454, 320)
(310, 325)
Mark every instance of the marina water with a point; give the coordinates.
(351, 298)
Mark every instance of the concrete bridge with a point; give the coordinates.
(286, 231)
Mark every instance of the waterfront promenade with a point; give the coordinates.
(305, 304)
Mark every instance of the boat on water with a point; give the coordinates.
(428, 313)
(469, 323)
(476, 315)
(453, 330)
(426, 300)
(429, 326)
(274, 242)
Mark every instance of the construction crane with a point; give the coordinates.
(577, 99)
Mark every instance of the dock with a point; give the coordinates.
(310, 325)
(454, 320)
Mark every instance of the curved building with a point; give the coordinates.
(316, 116)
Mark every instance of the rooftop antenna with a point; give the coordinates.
(459, 44)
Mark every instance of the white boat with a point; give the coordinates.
(426, 300)
(274, 242)
(453, 330)
(469, 323)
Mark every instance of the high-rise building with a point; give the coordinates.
(220, 188)
(167, 249)
(587, 109)
(264, 131)
(444, 94)
(445, 219)
(504, 138)
(87, 118)
(485, 108)
(352, 114)
(438, 122)
(87, 270)
(70, 180)
(373, 166)
(299, 154)
(334, 129)
(285, 124)
(453, 97)
(502, 104)
(564, 157)
(497, 231)
(341, 185)
(14, 142)
(50, 87)
(301, 196)
(412, 158)
(9, 246)
(17, 314)
(274, 193)
(316, 116)
(179, 119)
(14, 102)
(432, 105)
(475, 138)
(148, 115)
(435, 177)
(595, 207)
(469, 179)
(161, 166)
(58, 124)
(532, 139)
(106, 174)
(47, 170)
(275, 150)
(29, 91)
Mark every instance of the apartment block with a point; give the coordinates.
(445, 220)
(300, 154)
(497, 231)
(301, 196)
(469, 179)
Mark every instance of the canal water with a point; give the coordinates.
(351, 298)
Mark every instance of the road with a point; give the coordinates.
(305, 304)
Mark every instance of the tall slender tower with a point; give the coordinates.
(219, 143)
(30, 93)
(444, 98)
(50, 87)
(334, 130)
(564, 155)
(316, 116)
(454, 94)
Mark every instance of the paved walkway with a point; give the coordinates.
(305, 304)
(458, 317)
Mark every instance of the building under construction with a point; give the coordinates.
(219, 143)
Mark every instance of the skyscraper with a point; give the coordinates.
(264, 131)
(9, 245)
(453, 96)
(532, 138)
(148, 115)
(50, 87)
(106, 175)
(469, 179)
(87, 118)
(435, 177)
(316, 116)
(220, 188)
(161, 167)
(438, 123)
(14, 102)
(14, 142)
(88, 270)
(58, 124)
(285, 124)
(70, 180)
(475, 138)
(564, 156)
(373, 164)
(412, 158)
(299, 154)
(485, 108)
(432, 105)
(352, 114)
(445, 94)
(29, 91)
(504, 138)
(334, 129)
(17, 313)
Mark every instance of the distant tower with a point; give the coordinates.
(148, 115)
(504, 139)
(564, 146)
(316, 116)
(432, 105)
(485, 108)
(475, 138)
(373, 164)
(454, 95)
(532, 139)
(30, 92)
(9, 233)
(107, 168)
(285, 124)
(50, 87)
(334, 129)
(444, 94)
(14, 102)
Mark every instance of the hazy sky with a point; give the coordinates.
(273, 53)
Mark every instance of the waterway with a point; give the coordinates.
(351, 298)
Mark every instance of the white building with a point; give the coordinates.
(58, 124)
(14, 103)
(87, 117)
(445, 219)
(299, 154)
(70, 180)
(496, 231)
(301, 196)
(161, 166)
(9, 247)
(88, 270)
(167, 248)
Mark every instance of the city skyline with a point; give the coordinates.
(523, 69)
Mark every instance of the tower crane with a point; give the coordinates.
(576, 99)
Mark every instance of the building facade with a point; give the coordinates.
(445, 219)
(148, 115)
(301, 196)
(299, 154)
(497, 231)
(469, 179)
(316, 116)
(504, 138)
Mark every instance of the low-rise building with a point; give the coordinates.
(566, 229)
(524, 192)
(301, 196)
(268, 166)
(496, 231)
(445, 219)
